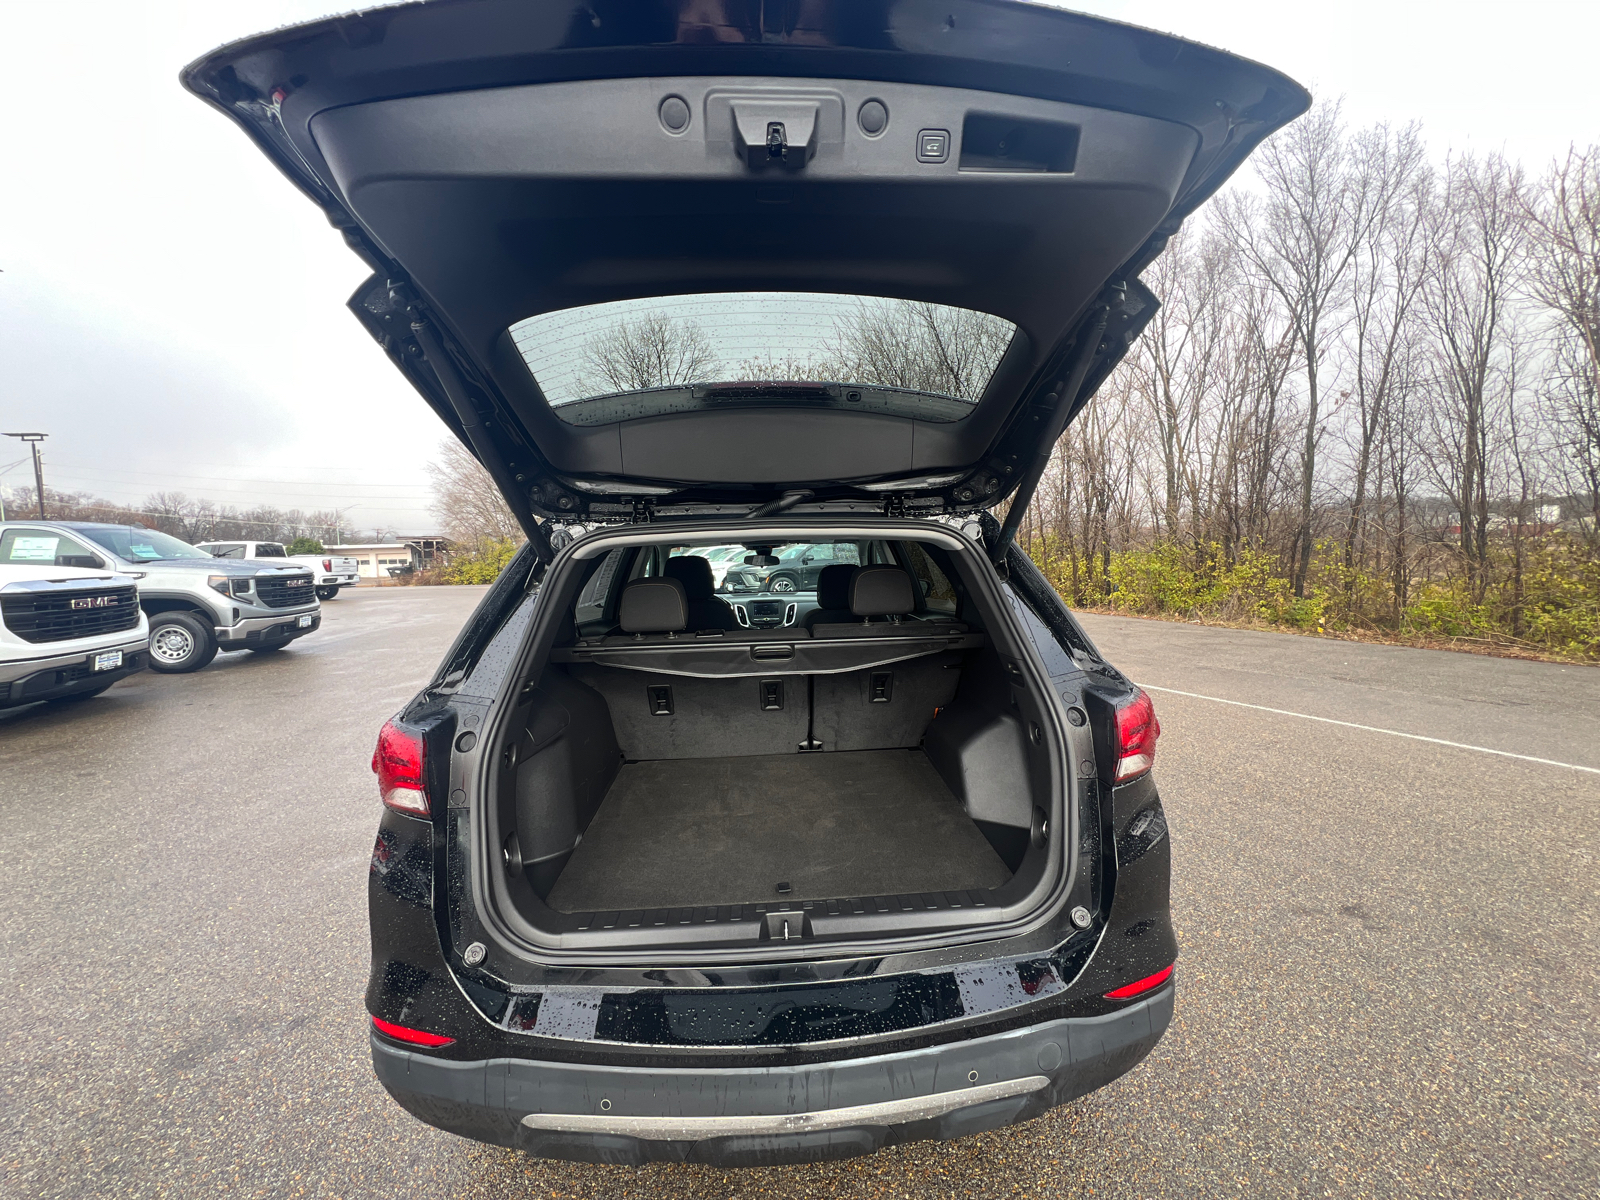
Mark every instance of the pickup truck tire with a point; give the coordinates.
(180, 642)
(327, 593)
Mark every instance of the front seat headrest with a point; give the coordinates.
(833, 586)
(653, 606)
(881, 592)
(694, 573)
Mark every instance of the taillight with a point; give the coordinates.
(1137, 731)
(1140, 986)
(398, 762)
(413, 1037)
(327, 564)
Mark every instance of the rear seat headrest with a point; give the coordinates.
(833, 586)
(881, 592)
(694, 573)
(653, 606)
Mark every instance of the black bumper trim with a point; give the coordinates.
(488, 1099)
(55, 682)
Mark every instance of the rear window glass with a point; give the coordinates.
(636, 358)
(592, 600)
(938, 593)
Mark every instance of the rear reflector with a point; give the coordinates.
(398, 762)
(412, 1037)
(1137, 731)
(1140, 986)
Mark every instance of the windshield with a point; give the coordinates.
(635, 358)
(141, 545)
(780, 568)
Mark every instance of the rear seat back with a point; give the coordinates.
(683, 716)
(653, 606)
(883, 708)
(657, 716)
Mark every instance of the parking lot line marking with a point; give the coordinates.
(1415, 737)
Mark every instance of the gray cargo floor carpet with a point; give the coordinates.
(708, 831)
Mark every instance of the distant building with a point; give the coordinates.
(380, 560)
(374, 560)
(432, 549)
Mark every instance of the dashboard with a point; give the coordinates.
(772, 612)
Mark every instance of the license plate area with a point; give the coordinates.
(305, 621)
(110, 660)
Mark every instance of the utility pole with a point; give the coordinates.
(33, 440)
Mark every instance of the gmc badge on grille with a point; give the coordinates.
(94, 602)
(297, 582)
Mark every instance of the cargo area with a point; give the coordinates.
(680, 766)
(695, 832)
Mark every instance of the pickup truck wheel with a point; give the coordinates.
(180, 642)
(327, 593)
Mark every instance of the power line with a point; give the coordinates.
(120, 474)
(120, 509)
(345, 466)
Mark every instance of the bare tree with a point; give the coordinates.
(1178, 360)
(1387, 275)
(1563, 215)
(1302, 241)
(465, 499)
(655, 350)
(921, 347)
(1469, 299)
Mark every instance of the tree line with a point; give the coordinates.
(189, 520)
(1371, 398)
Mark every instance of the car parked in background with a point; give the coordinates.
(66, 633)
(330, 572)
(800, 565)
(722, 559)
(197, 604)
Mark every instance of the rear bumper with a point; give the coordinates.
(772, 1115)
(66, 674)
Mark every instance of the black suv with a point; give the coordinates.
(647, 886)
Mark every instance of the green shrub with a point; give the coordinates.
(1558, 610)
(305, 545)
(482, 565)
(1443, 611)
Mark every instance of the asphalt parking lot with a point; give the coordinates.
(1388, 983)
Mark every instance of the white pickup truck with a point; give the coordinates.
(66, 633)
(330, 571)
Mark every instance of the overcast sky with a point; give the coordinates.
(172, 310)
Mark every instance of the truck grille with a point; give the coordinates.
(284, 591)
(59, 615)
